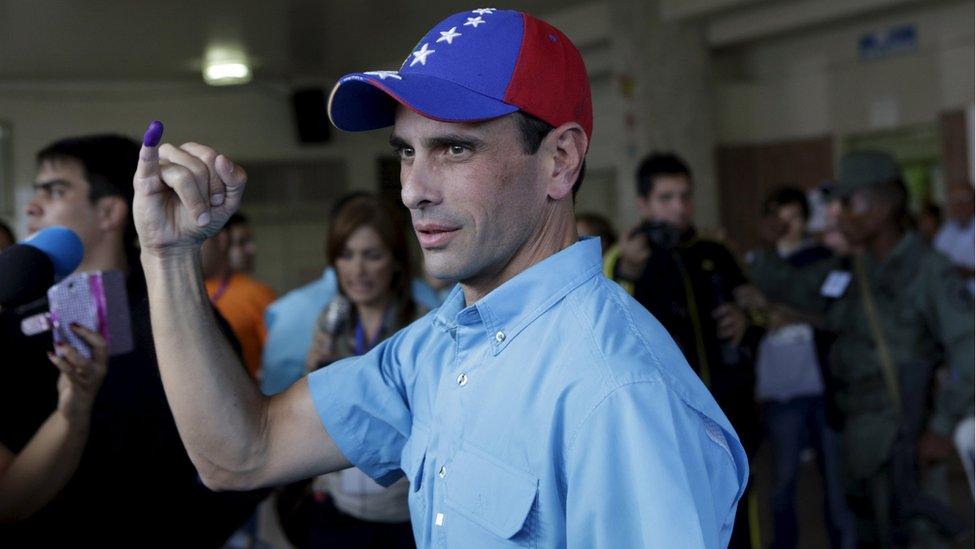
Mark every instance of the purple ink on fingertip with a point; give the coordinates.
(153, 134)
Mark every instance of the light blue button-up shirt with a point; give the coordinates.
(555, 411)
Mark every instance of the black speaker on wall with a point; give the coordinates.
(311, 117)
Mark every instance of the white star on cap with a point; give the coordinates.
(449, 36)
(475, 21)
(420, 56)
(383, 75)
(484, 11)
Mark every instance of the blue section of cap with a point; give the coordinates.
(61, 245)
(362, 102)
(481, 57)
(462, 77)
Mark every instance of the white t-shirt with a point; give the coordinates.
(958, 243)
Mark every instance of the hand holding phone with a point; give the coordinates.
(96, 301)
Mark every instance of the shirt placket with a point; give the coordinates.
(471, 347)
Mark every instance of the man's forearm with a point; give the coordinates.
(218, 410)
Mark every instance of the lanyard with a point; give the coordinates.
(219, 292)
(361, 344)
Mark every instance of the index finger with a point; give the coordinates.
(148, 166)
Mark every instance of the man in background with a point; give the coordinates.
(691, 285)
(240, 298)
(957, 237)
(241, 248)
(790, 384)
(135, 484)
(898, 311)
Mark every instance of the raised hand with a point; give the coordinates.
(183, 195)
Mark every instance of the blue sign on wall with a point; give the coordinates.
(892, 41)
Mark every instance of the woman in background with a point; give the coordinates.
(368, 248)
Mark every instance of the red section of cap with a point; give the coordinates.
(550, 80)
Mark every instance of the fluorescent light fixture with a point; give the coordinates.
(227, 73)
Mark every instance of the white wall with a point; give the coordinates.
(813, 83)
(248, 123)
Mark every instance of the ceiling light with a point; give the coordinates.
(226, 73)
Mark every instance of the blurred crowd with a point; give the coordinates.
(854, 341)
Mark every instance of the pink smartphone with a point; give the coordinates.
(97, 301)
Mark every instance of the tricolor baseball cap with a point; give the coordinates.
(472, 66)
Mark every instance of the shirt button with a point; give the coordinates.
(443, 472)
(462, 379)
(500, 336)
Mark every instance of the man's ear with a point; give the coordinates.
(567, 146)
(113, 213)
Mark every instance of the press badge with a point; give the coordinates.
(836, 284)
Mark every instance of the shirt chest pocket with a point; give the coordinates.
(491, 496)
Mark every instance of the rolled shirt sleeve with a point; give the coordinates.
(363, 404)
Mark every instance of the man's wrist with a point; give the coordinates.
(181, 260)
(169, 253)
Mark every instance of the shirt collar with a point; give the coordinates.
(509, 308)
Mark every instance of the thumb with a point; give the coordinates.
(147, 178)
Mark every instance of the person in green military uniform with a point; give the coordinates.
(899, 310)
(692, 286)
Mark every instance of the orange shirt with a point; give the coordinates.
(242, 301)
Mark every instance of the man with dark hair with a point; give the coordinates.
(899, 310)
(240, 298)
(241, 247)
(79, 186)
(539, 405)
(790, 385)
(692, 286)
(135, 484)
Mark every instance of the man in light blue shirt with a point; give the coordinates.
(540, 406)
(553, 411)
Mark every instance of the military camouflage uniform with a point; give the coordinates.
(924, 316)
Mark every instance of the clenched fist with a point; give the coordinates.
(183, 195)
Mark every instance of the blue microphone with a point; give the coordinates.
(29, 268)
(61, 245)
